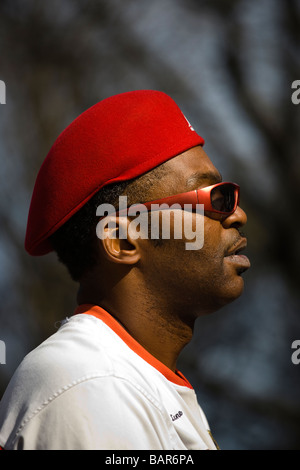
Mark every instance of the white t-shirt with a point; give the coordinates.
(92, 386)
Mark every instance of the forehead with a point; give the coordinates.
(190, 170)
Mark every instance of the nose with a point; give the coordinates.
(237, 219)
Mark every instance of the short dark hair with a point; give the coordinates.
(76, 241)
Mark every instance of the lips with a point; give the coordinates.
(239, 246)
(233, 255)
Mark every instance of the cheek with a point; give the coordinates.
(200, 272)
(206, 271)
(193, 247)
(198, 280)
(211, 255)
(182, 270)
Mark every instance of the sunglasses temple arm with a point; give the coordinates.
(190, 197)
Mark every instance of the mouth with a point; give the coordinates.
(234, 255)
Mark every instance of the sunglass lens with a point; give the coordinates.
(223, 198)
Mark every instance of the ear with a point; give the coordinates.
(116, 242)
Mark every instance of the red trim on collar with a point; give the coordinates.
(98, 312)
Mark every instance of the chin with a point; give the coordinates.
(225, 296)
(234, 291)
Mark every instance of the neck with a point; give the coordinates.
(160, 328)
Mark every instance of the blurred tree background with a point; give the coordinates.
(230, 65)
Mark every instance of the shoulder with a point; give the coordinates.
(79, 377)
(75, 352)
(95, 412)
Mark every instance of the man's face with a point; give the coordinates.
(205, 279)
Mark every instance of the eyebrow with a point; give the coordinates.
(198, 179)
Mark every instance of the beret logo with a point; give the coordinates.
(190, 126)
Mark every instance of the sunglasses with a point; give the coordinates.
(221, 198)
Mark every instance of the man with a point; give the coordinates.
(107, 379)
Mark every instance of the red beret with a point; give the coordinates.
(117, 139)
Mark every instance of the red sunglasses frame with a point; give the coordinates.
(194, 197)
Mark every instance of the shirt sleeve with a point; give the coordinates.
(102, 413)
